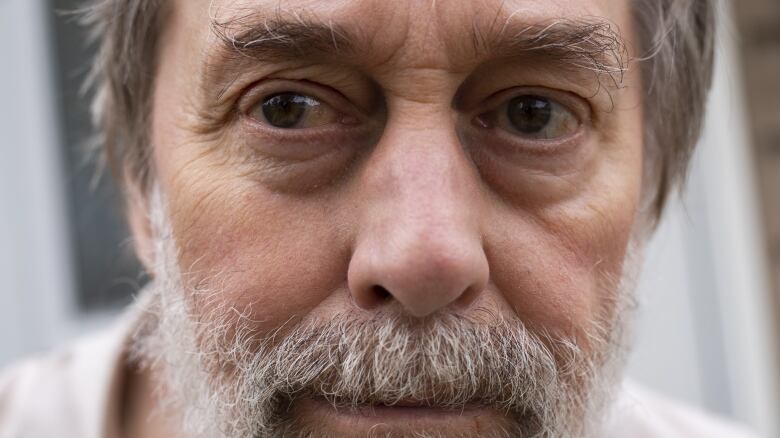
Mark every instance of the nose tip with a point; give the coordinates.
(424, 273)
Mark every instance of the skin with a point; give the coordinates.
(415, 199)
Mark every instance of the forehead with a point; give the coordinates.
(426, 31)
(439, 15)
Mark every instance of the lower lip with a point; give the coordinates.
(351, 420)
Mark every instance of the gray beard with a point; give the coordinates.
(220, 378)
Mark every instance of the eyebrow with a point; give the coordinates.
(589, 44)
(280, 38)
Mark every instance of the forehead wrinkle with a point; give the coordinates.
(426, 41)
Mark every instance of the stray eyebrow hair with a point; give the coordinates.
(591, 44)
(280, 38)
(583, 44)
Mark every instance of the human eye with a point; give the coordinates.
(283, 123)
(292, 110)
(537, 117)
(543, 130)
(532, 117)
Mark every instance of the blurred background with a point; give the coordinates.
(707, 331)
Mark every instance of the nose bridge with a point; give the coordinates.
(419, 158)
(420, 183)
(422, 178)
(419, 242)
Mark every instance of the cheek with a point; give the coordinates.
(269, 257)
(558, 266)
(560, 277)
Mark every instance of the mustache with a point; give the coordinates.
(447, 361)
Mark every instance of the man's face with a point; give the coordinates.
(405, 160)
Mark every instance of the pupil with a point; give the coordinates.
(529, 114)
(285, 110)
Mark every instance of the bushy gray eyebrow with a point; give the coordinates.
(590, 44)
(269, 38)
(584, 44)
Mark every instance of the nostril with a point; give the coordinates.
(381, 293)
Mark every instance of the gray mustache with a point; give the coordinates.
(447, 362)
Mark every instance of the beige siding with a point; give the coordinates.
(758, 22)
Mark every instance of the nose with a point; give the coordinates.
(419, 242)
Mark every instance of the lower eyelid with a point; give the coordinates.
(306, 143)
(514, 146)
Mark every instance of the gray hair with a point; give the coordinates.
(676, 39)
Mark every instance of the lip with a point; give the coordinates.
(409, 412)
(400, 417)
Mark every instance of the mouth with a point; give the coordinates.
(409, 411)
(400, 417)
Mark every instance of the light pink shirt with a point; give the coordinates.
(76, 392)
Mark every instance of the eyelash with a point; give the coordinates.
(263, 90)
(574, 103)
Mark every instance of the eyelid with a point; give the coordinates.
(326, 95)
(578, 106)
